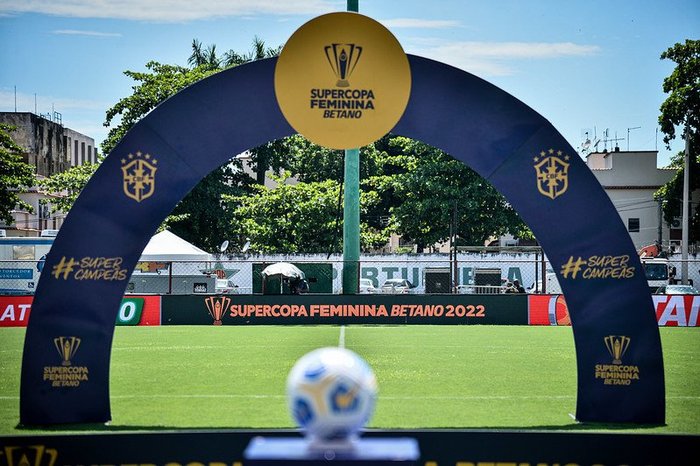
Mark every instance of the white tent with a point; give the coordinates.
(166, 246)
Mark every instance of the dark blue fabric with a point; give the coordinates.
(205, 125)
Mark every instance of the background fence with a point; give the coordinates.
(411, 274)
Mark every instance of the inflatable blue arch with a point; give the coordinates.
(65, 371)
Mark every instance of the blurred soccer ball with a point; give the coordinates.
(331, 393)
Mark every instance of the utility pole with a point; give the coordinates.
(660, 227)
(351, 210)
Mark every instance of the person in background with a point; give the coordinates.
(518, 287)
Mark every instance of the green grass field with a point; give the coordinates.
(429, 376)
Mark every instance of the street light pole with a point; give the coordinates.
(686, 196)
(351, 210)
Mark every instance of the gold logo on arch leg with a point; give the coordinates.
(552, 173)
(66, 347)
(139, 176)
(617, 346)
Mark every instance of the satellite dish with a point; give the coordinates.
(246, 246)
(224, 246)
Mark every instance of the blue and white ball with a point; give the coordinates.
(331, 393)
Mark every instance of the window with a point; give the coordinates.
(633, 225)
(23, 253)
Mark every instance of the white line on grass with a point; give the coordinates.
(341, 338)
(402, 398)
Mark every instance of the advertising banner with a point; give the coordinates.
(14, 310)
(134, 310)
(677, 310)
(547, 309)
(671, 310)
(345, 309)
(437, 447)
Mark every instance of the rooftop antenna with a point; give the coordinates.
(605, 139)
(596, 140)
(628, 136)
(617, 146)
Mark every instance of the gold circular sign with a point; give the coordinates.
(342, 80)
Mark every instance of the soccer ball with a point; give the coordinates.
(331, 393)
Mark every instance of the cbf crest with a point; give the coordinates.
(552, 170)
(139, 176)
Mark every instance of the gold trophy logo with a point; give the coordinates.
(36, 455)
(343, 59)
(617, 346)
(217, 307)
(66, 347)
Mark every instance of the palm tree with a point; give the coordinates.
(203, 57)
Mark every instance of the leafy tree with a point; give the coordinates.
(201, 217)
(299, 217)
(433, 190)
(68, 184)
(152, 88)
(683, 86)
(681, 108)
(15, 175)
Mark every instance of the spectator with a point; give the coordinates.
(518, 287)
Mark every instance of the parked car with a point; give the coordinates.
(677, 289)
(367, 287)
(398, 286)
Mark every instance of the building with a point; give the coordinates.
(630, 179)
(50, 148)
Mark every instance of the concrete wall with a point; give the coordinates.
(50, 148)
(630, 179)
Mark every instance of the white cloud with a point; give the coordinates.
(416, 23)
(75, 32)
(167, 10)
(495, 58)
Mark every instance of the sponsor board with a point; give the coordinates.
(14, 310)
(676, 310)
(437, 447)
(310, 309)
(134, 310)
(547, 309)
(671, 310)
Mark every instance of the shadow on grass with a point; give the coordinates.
(573, 427)
(107, 428)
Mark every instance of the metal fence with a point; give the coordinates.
(401, 274)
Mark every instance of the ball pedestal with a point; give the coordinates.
(277, 451)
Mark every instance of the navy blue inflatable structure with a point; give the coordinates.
(65, 371)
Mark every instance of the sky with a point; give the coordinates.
(591, 67)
